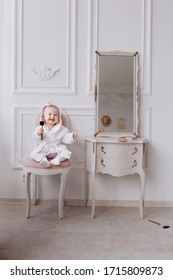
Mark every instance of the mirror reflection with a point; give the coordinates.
(116, 92)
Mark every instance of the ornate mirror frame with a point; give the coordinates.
(116, 93)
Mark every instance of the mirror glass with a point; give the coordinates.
(116, 93)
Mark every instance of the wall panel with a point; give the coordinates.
(45, 46)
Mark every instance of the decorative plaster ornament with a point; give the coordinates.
(44, 73)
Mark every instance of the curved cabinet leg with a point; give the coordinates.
(85, 187)
(34, 189)
(61, 194)
(28, 194)
(141, 199)
(93, 194)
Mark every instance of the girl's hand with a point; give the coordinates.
(40, 131)
(74, 135)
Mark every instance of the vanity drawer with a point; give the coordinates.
(120, 150)
(112, 165)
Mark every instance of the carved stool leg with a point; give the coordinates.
(61, 194)
(34, 188)
(28, 194)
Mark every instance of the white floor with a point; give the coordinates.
(115, 233)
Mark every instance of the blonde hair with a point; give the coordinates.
(50, 106)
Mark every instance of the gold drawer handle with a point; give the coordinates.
(102, 150)
(135, 150)
(102, 162)
(134, 163)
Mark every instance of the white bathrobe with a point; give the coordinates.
(52, 142)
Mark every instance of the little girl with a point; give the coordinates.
(53, 134)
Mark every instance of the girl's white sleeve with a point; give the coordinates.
(68, 138)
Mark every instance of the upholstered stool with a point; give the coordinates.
(32, 167)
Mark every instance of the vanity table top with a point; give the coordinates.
(116, 139)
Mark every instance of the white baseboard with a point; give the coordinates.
(131, 203)
(81, 202)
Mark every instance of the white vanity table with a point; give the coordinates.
(109, 156)
(116, 149)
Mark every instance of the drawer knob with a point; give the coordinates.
(102, 149)
(134, 163)
(135, 150)
(102, 162)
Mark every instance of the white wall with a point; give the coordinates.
(63, 35)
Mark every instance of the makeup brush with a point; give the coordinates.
(41, 123)
(159, 224)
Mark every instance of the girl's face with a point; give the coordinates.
(51, 116)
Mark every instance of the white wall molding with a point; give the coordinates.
(145, 116)
(145, 58)
(20, 86)
(1, 46)
(79, 110)
(145, 122)
(92, 43)
(145, 78)
(90, 40)
(18, 113)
